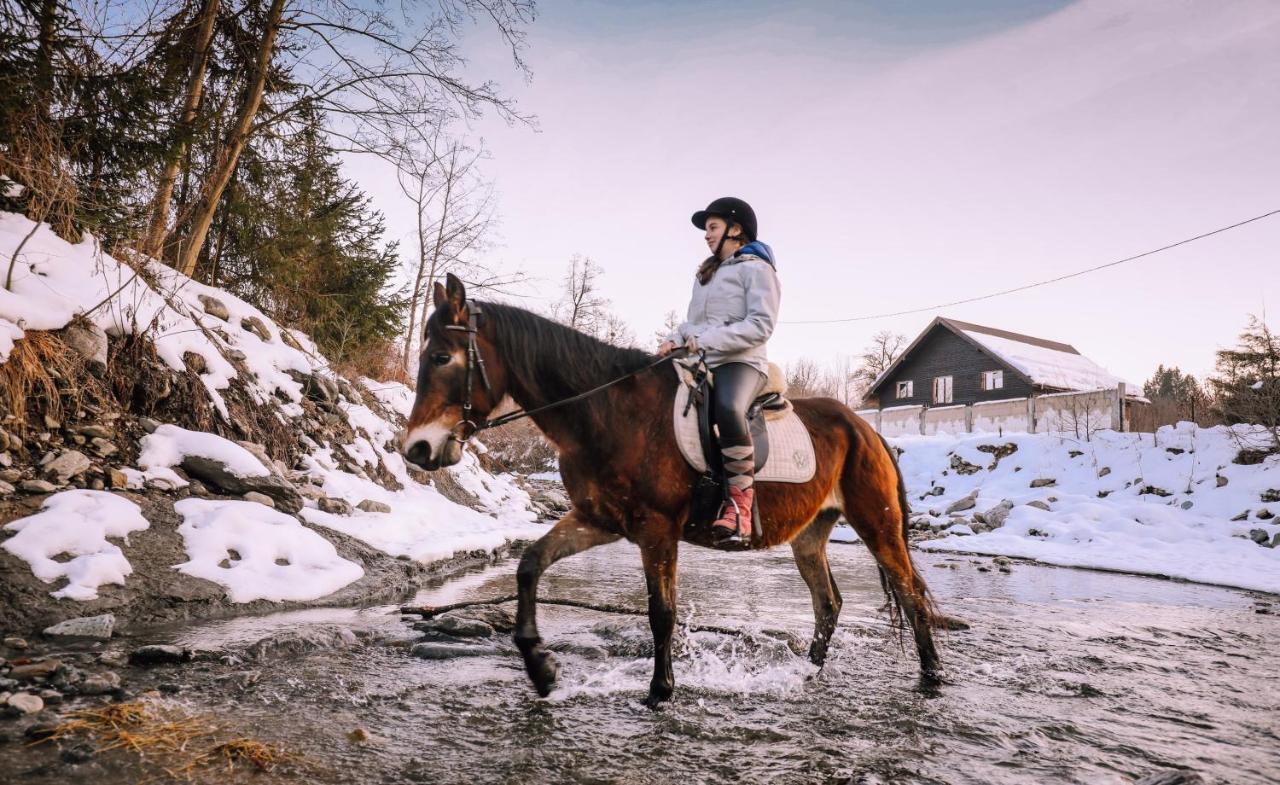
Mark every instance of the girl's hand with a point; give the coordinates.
(665, 348)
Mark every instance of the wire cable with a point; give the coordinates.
(1046, 282)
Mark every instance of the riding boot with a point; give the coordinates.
(733, 527)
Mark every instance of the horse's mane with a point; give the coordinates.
(554, 361)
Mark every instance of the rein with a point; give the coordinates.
(470, 428)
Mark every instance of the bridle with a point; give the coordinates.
(470, 427)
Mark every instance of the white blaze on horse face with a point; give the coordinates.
(433, 433)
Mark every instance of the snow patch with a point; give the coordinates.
(275, 557)
(77, 523)
(169, 444)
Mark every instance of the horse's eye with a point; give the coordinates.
(440, 359)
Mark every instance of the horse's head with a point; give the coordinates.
(439, 422)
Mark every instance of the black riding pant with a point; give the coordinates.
(736, 386)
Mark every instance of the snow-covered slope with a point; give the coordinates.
(336, 464)
(1172, 503)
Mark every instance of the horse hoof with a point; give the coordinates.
(543, 671)
(656, 699)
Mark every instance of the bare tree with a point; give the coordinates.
(844, 382)
(581, 305)
(879, 354)
(805, 379)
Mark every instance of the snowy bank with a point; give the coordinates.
(1174, 503)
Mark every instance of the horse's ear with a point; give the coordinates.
(457, 295)
(438, 296)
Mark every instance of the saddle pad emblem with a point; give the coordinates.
(791, 456)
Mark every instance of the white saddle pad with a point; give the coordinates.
(791, 456)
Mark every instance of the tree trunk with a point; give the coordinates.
(44, 60)
(417, 285)
(229, 152)
(182, 132)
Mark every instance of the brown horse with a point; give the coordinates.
(626, 477)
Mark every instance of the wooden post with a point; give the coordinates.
(923, 409)
(1117, 408)
(968, 418)
(1031, 414)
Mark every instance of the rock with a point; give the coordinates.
(51, 697)
(100, 683)
(1221, 480)
(260, 498)
(17, 644)
(77, 753)
(936, 490)
(254, 325)
(290, 341)
(118, 478)
(1244, 516)
(1271, 495)
(10, 475)
(6, 460)
(115, 658)
(369, 505)
(966, 503)
(1039, 505)
(1104, 471)
(195, 362)
(104, 448)
(35, 670)
(1171, 778)
(214, 307)
(1275, 541)
(334, 506)
(1154, 491)
(24, 703)
(235, 355)
(217, 475)
(163, 484)
(1188, 504)
(96, 627)
(459, 626)
(447, 651)
(68, 464)
(147, 424)
(89, 341)
(6, 489)
(258, 451)
(1259, 536)
(1043, 482)
(158, 654)
(320, 389)
(1001, 561)
(995, 517)
(961, 466)
(37, 486)
(96, 431)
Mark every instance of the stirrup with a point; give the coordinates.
(730, 539)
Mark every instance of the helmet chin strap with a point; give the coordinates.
(720, 245)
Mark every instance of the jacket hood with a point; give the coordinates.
(757, 248)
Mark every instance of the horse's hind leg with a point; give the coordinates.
(810, 551)
(569, 536)
(874, 504)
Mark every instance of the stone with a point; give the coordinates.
(369, 505)
(1244, 516)
(1264, 514)
(6, 489)
(159, 654)
(1043, 482)
(254, 325)
(1001, 561)
(1221, 480)
(1153, 491)
(1188, 504)
(96, 431)
(334, 506)
(68, 464)
(1039, 505)
(10, 475)
(1104, 471)
(459, 626)
(310, 491)
(961, 466)
(447, 651)
(260, 498)
(100, 683)
(104, 447)
(24, 703)
(1271, 495)
(89, 341)
(995, 517)
(161, 484)
(1259, 536)
(966, 503)
(96, 627)
(195, 362)
(216, 475)
(17, 644)
(118, 478)
(320, 389)
(214, 307)
(51, 697)
(37, 486)
(147, 424)
(290, 341)
(1275, 541)
(5, 460)
(35, 670)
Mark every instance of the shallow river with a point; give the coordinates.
(1065, 676)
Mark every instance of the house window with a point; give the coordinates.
(993, 380)
(942, 389)
(904, 390)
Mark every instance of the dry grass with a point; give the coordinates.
(32, 374)
(177, 744)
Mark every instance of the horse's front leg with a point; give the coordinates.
(569, 536)
(659, 553)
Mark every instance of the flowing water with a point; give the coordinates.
(1066, 676)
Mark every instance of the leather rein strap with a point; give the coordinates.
(475, 360)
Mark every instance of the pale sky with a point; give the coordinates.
(902, 154)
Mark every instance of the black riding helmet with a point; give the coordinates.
(733, 210)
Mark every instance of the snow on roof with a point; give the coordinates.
(1046, 366)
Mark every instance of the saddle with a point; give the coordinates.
(695, 400)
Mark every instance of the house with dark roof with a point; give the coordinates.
(953, 363)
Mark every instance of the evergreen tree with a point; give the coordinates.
(1172, 384)
(1247, 379)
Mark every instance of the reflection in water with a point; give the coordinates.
(1066, 676)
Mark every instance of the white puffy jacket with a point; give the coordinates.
(733, 315)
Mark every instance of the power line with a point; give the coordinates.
(1025, 287)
